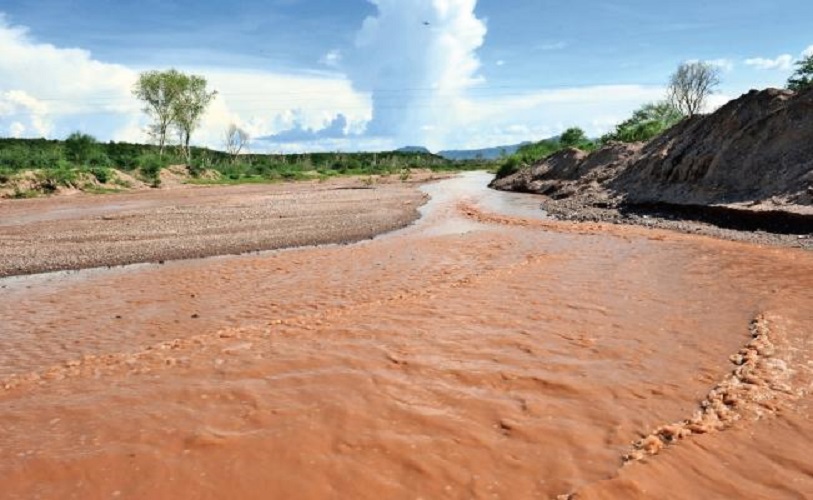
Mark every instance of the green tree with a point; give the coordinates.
(189, 107)
(80, 147)
(573, 138)
(647, 122)
(802, 78)
(160, 91)
(691, 85)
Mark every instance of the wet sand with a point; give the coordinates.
(481, 353)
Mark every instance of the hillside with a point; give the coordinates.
(494, 153)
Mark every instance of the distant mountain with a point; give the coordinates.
(413, 149)
(481, 154)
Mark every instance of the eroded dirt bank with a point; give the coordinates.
(474, 355)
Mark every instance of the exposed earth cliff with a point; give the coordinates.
(749, 165)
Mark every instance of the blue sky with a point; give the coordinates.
(362, 74)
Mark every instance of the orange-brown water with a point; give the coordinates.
(481, 353)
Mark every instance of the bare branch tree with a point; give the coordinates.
(235, 140)
(691, 85)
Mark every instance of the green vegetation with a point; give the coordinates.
(72, 162)
(530, 154)
(646, 123)
(802, 78)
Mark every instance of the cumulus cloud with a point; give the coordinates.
(416, 59)
(536, 115)
(808, 52)
(783, 62)
(17, 104)
(336, 129)
(45, 90)
(726, 65)
(16, 130)
(41, 83)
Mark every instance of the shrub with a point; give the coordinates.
(50, 179)
(80, 147)
(646, 123)
(102, 174)
(509, 167)
(151, 166)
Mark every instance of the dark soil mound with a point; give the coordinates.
(756, 148)
(754, 151)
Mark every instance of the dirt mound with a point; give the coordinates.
(758, 147)
(756, 152)
(572, 172)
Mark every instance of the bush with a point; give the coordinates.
(5, 175)
(80, 147)
(646, 123)
(802, 78)
(102, 174)
(50, 179)
(151, 166)
(509, 167)
(576, 138)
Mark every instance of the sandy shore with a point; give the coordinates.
(84, 231)
(479, 353)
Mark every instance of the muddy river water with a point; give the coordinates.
(483, 352)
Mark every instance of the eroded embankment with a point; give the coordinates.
(508, 358)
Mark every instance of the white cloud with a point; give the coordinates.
(417, 59)
(46, 90)
(16, 130)
(783, 62)
(332, 59)
(545, 113)
(43, 83)
(808, 52)
(726, 65)
(19, 105)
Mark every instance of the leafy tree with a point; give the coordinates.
(802, 78)
(188, 108)
(691, 85)
(80, 147)
(647, 122)
(160, 91)
(575, 138)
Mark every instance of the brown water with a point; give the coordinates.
(483, 353)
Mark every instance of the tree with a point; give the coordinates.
(691, 85)
(647, 122)
(573, 138)
(235, 140)
(802, 78)
(80, 147)
(160, 92)
(188, 108)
